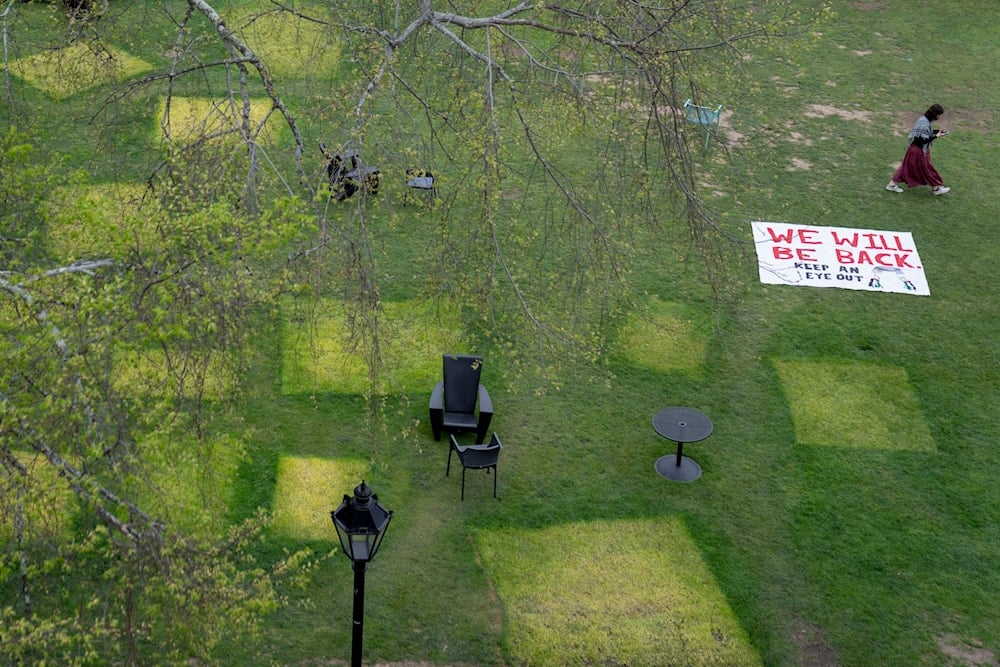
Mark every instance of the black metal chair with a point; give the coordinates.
(477, 457)
(453, 402)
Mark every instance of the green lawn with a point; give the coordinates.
(848, 512)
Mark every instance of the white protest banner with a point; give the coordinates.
(858, 259)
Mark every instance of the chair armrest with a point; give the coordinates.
(485, 402)
(437, 397)
(494, 443)
(436, 409)
(485, 414)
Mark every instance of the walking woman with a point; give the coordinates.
(917, 169)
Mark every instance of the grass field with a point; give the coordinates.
(848, 512)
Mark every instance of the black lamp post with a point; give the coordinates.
(361, 523)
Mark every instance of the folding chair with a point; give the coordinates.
(422, 181)
(704, 116)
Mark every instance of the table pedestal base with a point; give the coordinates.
(687, 471)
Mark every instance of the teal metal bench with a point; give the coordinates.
(704, 116)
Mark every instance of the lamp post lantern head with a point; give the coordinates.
(361, 523)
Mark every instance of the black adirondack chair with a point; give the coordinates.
(453, 401)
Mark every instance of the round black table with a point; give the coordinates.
(681, 425)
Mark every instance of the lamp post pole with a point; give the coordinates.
(359, 612)
(361, 523)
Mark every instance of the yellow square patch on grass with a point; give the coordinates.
(145, 373)
(190, 119)
(291, 46)
(665, 338)
(92, 221)
(307, 490)
(64, 72)
(843, 404)
(633, 592)
(318, 357)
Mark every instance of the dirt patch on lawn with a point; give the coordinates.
(858, 52)
(798, 164)
(959, 119)
(732, 136)
(798, 138)
(970, 653)
(825, 111)
(816, 651)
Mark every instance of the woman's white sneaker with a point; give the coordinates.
(892, 187)
(940, 190)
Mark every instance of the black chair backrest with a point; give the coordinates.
(483, 456)
(477, 456)
(461, 382)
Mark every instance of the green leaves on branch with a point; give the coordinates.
(123, 330)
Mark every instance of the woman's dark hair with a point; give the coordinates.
(934, 112)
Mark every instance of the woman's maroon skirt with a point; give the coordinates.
(917, 169)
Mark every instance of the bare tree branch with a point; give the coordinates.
(237, 46)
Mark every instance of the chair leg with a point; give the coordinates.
(447, 471)
(437, 422)
(483, 427)
(708, 134)
(494, 481)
